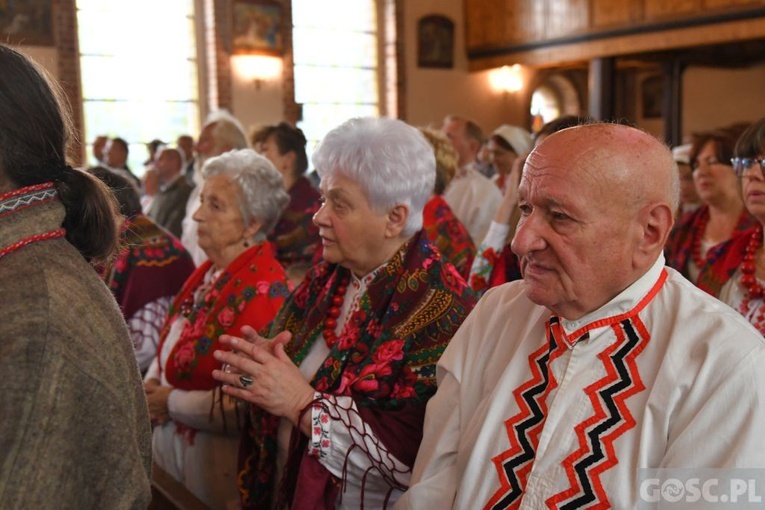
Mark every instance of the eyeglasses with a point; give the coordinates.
(741, 165)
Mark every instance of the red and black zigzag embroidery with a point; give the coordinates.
(523, 429)
(611, 419)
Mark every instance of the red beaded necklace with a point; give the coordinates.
(749, 267)
(698, 234)
(330, 323)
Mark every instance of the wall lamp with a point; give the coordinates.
(507, 78)
(257, 68)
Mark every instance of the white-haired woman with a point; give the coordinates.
(340, 391)
(196, 435)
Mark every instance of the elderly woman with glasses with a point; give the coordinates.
(339, 393)
(698, 235)
(737, 274)
(196, 432)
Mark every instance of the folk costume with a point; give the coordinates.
(295, 236)
(534, 411)
(148, 273)
(685, 250)
(368, 346)
(474, 199)
(448, 235)
(495, 263)
(731, 277)
(74, 428)
(199, 446)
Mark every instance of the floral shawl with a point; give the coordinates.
(723, 262)
(448, 234)
(385, 358)
(151, 265)
(680, 243)
(249, 291)
(491, 268)
(298, 236)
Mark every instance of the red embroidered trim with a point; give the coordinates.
(27, 189)
(610, 321)
(524, 428)
(587, 463)
(53, 234)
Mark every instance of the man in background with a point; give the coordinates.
(473, 198)
(169, 205)
(221, 133)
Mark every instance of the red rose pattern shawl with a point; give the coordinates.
(249, 291)
(448, 235)
(385, 359)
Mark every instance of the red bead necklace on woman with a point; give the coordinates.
(698, 235)
(330, 323)
(749, 266)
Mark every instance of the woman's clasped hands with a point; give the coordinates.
(260, 372)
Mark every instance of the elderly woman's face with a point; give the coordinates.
(352, 233)
(220, 224)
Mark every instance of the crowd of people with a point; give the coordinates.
(443, 320)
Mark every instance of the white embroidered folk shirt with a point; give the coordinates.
(536, 412)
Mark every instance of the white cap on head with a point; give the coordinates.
(518, 138)
(682, 154)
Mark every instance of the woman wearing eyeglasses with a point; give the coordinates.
(737, 275)
(699, 235)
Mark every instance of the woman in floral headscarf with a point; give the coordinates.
(196, 435)
(342, 403)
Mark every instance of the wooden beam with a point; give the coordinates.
(556, 54)
(601, 88)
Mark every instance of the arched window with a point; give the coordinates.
(554, 97)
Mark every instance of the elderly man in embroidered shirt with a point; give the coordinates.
(558, 389)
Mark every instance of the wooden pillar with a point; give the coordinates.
(673, 102)
(601, 87)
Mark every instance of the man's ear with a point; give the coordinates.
(656, 222)
(397, 217)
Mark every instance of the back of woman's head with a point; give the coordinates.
(33, 140)
(123, 190)
(289, 139)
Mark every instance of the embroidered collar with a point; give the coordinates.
(29, 196)
(628, 303)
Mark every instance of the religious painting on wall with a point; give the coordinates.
(653, 96)
(26, 22)
(435, 42)
(257, 27)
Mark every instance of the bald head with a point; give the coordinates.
(621, 161)
(597, 205)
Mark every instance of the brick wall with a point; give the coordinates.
(65, 36)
